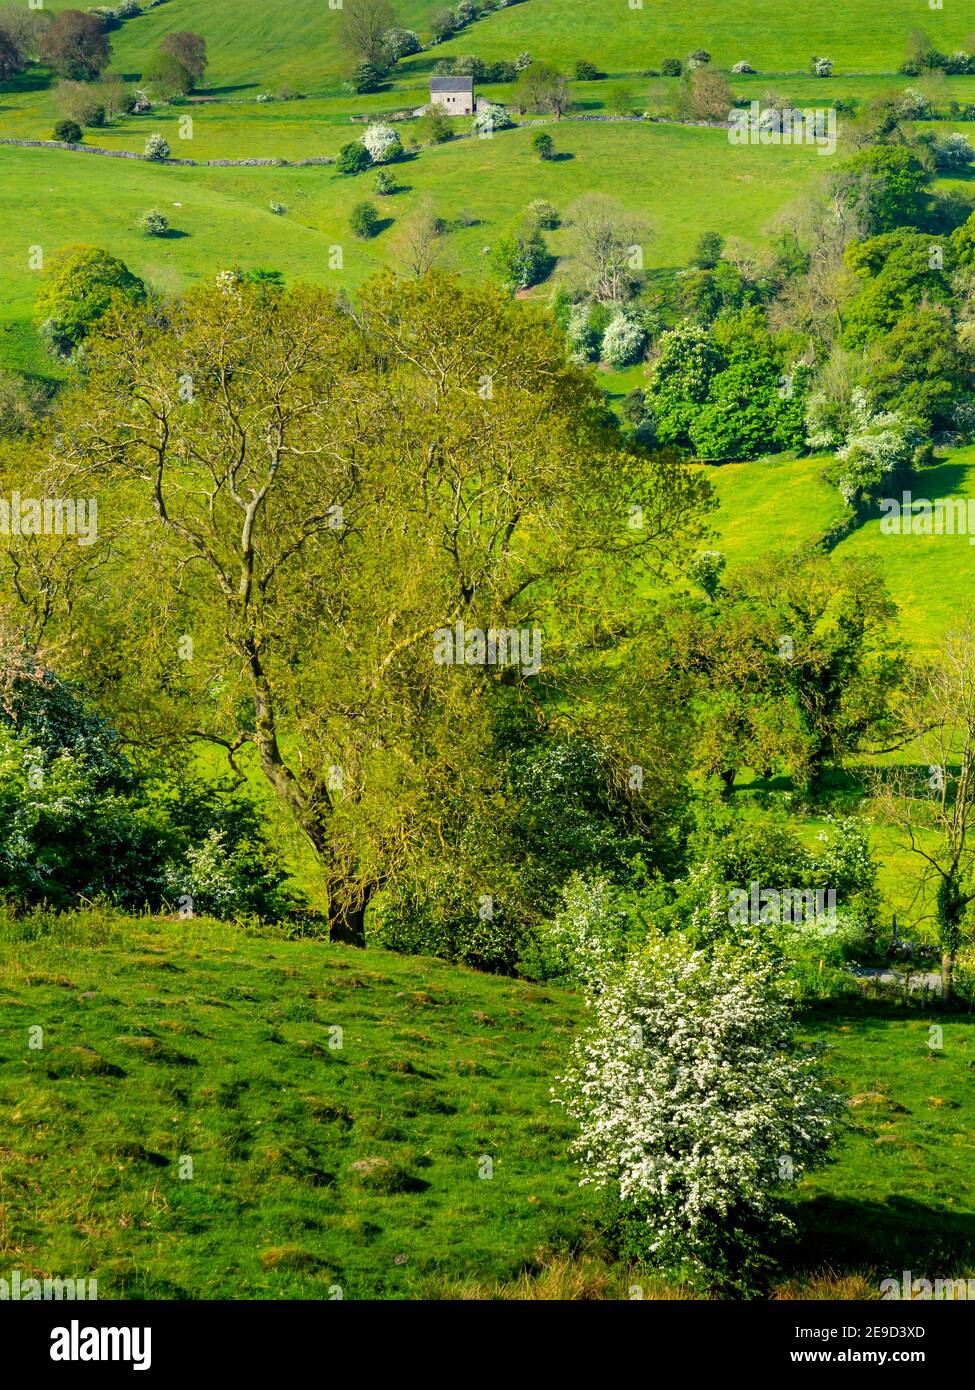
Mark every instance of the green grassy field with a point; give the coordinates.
(866, 38)
(778, 504)
(165, 1039)
(222, 215)
(251, 44)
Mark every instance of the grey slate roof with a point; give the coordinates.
(451, 84)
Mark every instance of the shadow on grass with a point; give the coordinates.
(224, 91)
(890, 1236)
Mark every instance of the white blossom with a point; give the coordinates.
(689, 1087)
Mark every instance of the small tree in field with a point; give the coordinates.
(608, 247)
(435, 128)
(353, 158)
(189, 50)
(154, 223)
(695, 1101)
(543, 145)
(166, 77)
(383, 143)
(418, 244)
(68, 131)
(704, 95)
(489, 119)
(361, 33)
(157, 147)
(364, 221)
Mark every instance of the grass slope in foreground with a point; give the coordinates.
(165, 1039)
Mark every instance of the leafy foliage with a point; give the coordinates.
(694, 1100)
(78, 290)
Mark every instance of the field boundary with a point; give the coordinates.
(274, 161)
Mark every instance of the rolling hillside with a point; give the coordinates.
(252, 42)
(221, 216)
(778, 504)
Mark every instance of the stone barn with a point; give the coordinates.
(454, 94)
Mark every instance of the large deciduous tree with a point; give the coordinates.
(76, 45)
(318, 494)
(189, 49)
(362, 27)
(931, 807)
(793, 664)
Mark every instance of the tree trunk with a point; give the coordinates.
(347, 919)
(347, 924)
(947, 974)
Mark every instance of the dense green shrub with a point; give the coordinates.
(726, 394)
(353, 158)
(888, 185)
(154, 223)
(521, 258)
(367, 78)
(77, 290)
(78, 821)
(364, 220)
(563, 818)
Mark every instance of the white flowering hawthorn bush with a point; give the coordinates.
(490, 118)
(879, 445)
(623, 341)
(156, 147)
(383, 143)
(590, 935)
(694, 1100)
